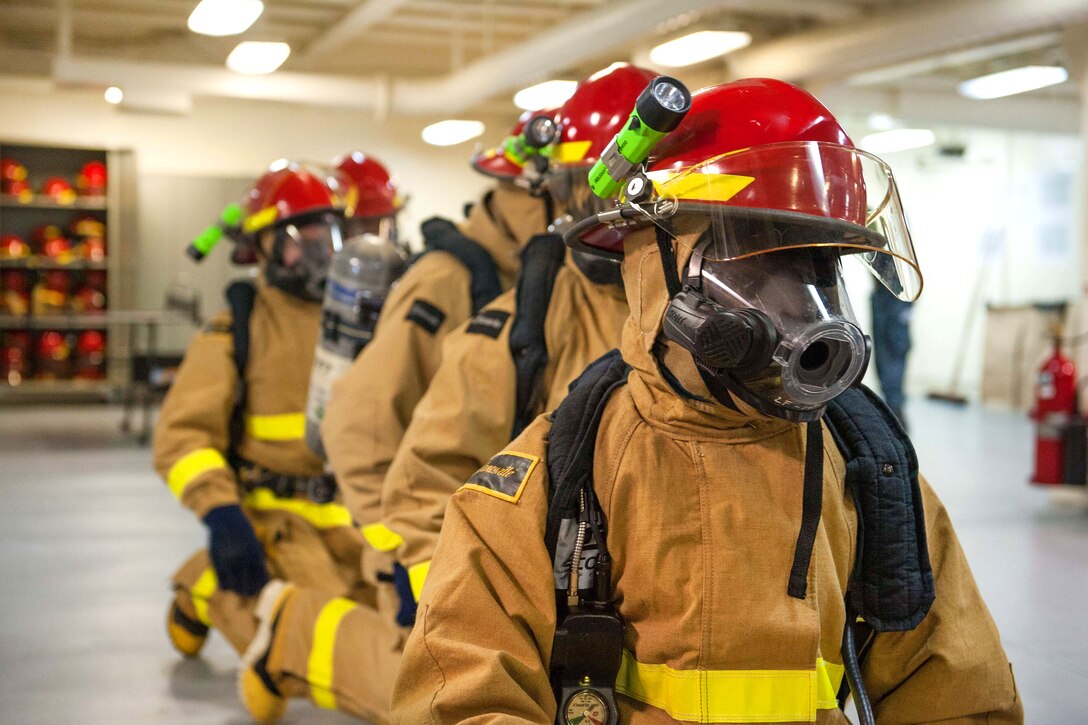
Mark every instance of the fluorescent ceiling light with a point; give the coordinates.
(114, 95)
(1017, 80)
(548, 94)
(451, 132)
(224, 17)
(255, 58)
(881, 121)
(697, 47)
(898, 139)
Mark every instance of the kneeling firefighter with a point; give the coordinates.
(230, 438)
(460, 271)
(717, 524)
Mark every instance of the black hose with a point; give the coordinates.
(853, 675)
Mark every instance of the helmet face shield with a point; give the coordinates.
(820, 351)
(797, 195)
(300, 253)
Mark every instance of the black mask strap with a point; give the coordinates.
(812, 503)
(549, 208)
(668, 260)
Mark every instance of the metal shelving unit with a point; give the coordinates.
(117, 210)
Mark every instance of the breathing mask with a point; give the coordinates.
(299, 254)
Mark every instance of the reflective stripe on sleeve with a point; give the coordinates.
(191, 466)
(417, 574)
(318, 515)
(283, 427)
(319, 671)
(201, 592)
(732, 696)
(381, 537)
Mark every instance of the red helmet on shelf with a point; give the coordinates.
(91, 355)
(11, 170)
(13, 247)
(19, 189)
(91, 180)
(53, 356)
(87, 226)
(376, 192)
(59, 190)
(14, 356)
(56, 280)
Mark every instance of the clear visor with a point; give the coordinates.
(821, 351)
(794, 196)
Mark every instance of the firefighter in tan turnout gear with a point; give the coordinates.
(716, 525)
(300, 651)
(229, 441)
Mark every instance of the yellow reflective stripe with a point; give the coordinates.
(319, 515)
(260, 219)
(417, 574)
(201, 592)
(382, 537)
(571, 152)
(191, 466)
(319, 668)
(702, 187)
(283, 427)
(732, 696)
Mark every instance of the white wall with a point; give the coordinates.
(190, 166)
(1003, 217)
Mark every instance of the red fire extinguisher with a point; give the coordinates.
(1055, 410)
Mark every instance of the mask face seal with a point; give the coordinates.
(776, 330)
(301, 251)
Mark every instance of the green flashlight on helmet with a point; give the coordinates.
(539, 132)
(230, 221)
(658, 110)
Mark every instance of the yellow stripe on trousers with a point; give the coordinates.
(191, 466)
(201, 592)
(732, 696)
(320, 668)
(318, 515)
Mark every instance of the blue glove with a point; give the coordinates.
(237, 555)
(406, 615)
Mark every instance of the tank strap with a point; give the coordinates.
(241, 297)
(442, 235)
(541, 261)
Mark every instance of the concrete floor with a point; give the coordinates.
(89, 536)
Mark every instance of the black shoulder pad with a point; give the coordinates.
(541, 261)
(441, 234)
(573, 437)
(891, 586)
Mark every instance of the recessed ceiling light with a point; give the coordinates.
(548, 94)
(898, 139)
(255, 58)
(451, 132)
(1011, 82)
(699, 46)
(224, 17)
(114, 95)
(881, 121)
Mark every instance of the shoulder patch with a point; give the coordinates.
(504, 476)
(426, 315)
(218, 327)
(489, 322)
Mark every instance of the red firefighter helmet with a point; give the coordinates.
(588, 121)
(509, 161)
(19, 189)
(91, 296)
(376, 192)
(87, 226)
(53, 355)
(11, 170)
(596, 111)
(59, 190)
(770, 168)
(51, 242)
(289, 191)
(13, 247)
(91, 180)
(56, 280)
(14, 356)
(90, 355)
